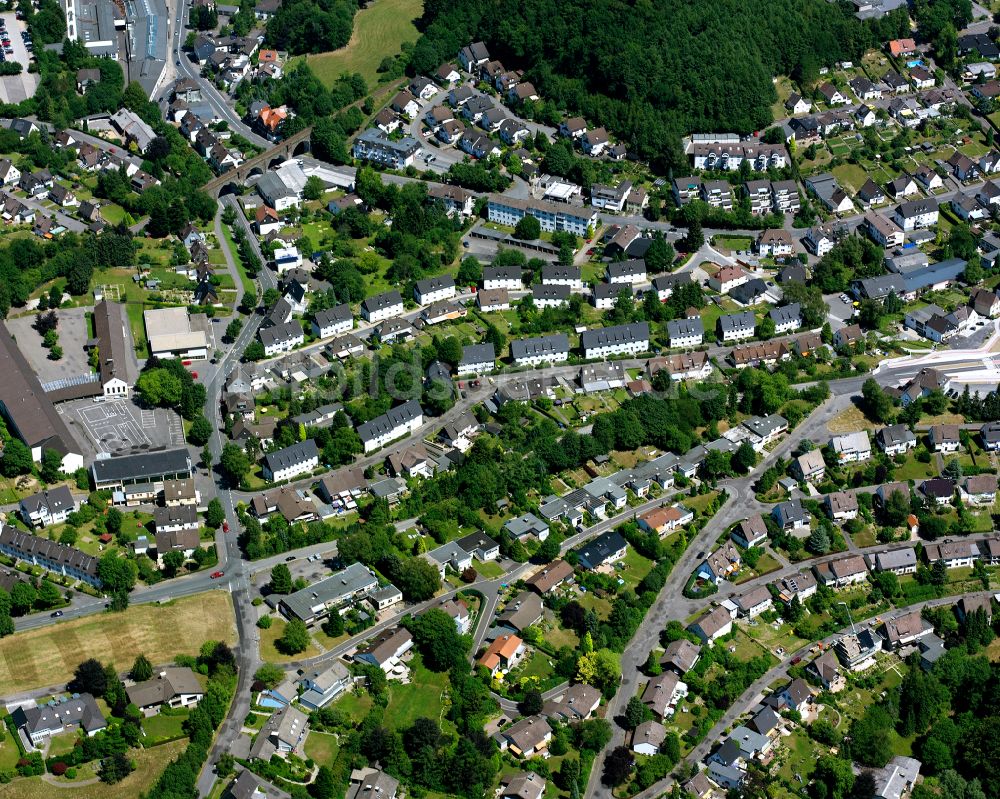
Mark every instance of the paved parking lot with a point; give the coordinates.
(973, 340)
(15, 88)
(73, 335)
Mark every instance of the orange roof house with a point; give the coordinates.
(503, 653)
(898, 47)
(272, 118)
(265, 213)
(267, 57)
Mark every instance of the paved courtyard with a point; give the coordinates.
(73, 334)
(120, 427)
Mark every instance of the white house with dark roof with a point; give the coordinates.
(434, 289)
(686, 332)
(712, 625)
(333, 321)
(48, 507)
(604, 342)
(895, 439)
(382, 306)
(284, 464)
(396, 423)
(542, 349)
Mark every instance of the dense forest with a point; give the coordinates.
(663, 68)
(312, 26)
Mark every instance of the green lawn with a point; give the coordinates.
(422, 697)
(248, 285)
(322, 747)
(355, 706)
(489, 570)
(9, 754)
(851, 176)
(914, 469)
(162, 727)
(269, 651)
(113, 214)
(379, 32)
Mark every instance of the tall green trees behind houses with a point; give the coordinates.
(665, 67)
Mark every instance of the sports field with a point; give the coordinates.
(379, 31)
(48, 655)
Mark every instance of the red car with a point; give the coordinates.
(216, 575)
(194, 375)
(186, 363)
(225, 527)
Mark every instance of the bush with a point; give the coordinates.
(59, 768)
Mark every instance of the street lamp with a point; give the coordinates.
(849, 616)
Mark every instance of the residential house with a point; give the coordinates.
(48, 507)
(944, 438)
(809, 466)
(720, 565)
(852, 447)
(606, 549)
(526, 526)
(289, 462)
(521, 612)
(800, 586)
(898, 561)
(680, 656)
(550, 577)
(750, 532)
(842, 571)
(954, 554)
(386, 649)
(712, 625)
(826, 668)
(685, 332)
(663, 693)
(736, 327)
(791, 516)
(841, 506)
(60, 715)
(753, 602)
(174, 687)
(895, 439)
(938, 490)
(503, 654)
(980, 489)
(526, 737)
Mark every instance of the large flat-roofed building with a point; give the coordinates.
(29, 413)
(374, 145)
(505, 210)
(334, 592)
(170, 334)
(146, 468)
(95, 24)
(116, 353)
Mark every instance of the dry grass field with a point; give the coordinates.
(48, 656)
(149, 764)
